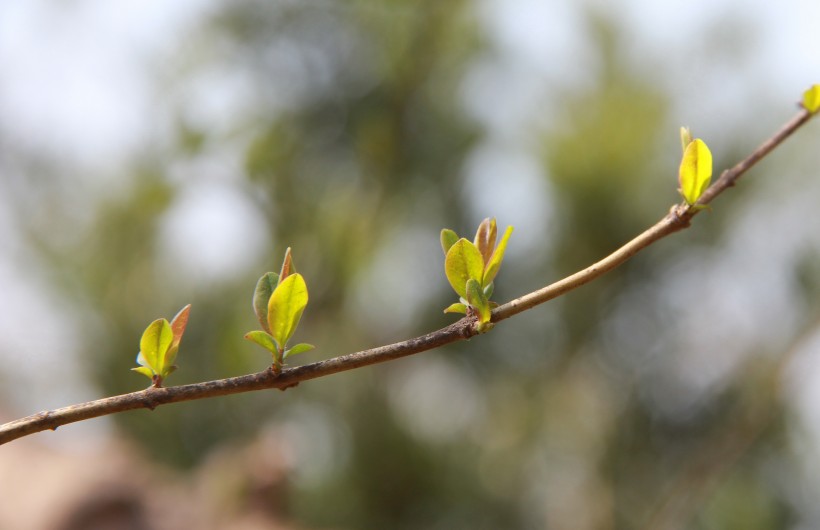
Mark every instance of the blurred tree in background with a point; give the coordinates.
(351, 144)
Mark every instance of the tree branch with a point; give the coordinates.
(152, 397)
(678, 218)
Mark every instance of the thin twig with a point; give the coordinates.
(677, 219)
(152, 397)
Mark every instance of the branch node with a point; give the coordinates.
(289, 385)
(680, 215)
(470, 327)
(147, 400)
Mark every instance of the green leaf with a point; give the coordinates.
(285, 308)
(477, 300)
(302, 347)
(143, 367)
(261, 297)
(448, 239)
(144, 370)
(695, 171)
(287, 266)
(485, 238)
(263, 339)
(498, 256)
(463, 262)
(811, 99)
(154, 344)
(488, 290)
(456, 308)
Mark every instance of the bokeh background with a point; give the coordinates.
(154, 154)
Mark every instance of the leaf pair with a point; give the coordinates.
(279, 301)
(471, 268)
(695, 172)
(159, 346)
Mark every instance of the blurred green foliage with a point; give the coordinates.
(358, 133)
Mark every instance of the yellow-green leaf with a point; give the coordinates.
(448, 239)
(144, 370)
(302, 347)
(494, 264)
(478, 301)
(263, 339)
(285, 308)
(154, 344)
(695, 171)
(456, 308)
(261, 297)
(488, 290)
(463, 262)
(811, 99)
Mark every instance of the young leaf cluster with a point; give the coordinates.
(695, 172)
(279, 301)
(159, 346)
(471, 268)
